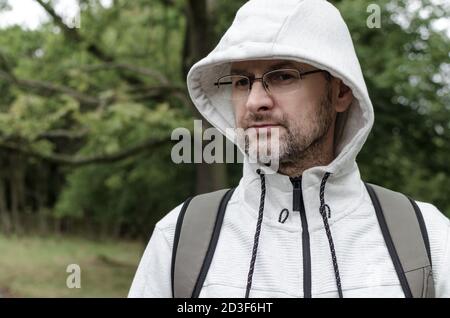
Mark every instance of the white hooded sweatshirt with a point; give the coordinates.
(312, 32)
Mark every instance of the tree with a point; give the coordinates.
(86, 114)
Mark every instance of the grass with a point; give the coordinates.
(36, 266)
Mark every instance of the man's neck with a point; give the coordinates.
(320, 153)
(295, 169)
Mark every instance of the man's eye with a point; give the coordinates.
(284, 77)
(241, 82)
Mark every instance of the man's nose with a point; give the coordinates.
(258, 98)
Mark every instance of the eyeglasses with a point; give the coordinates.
(276, 83)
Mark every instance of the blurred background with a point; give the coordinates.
(91, 90)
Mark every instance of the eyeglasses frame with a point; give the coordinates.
(252, 79)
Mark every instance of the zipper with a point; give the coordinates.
(299, 206)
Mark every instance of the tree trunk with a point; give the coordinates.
(5, 220)
(42, 212)
(17, 193)
(198, 43)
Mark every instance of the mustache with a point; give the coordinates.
(254, 119)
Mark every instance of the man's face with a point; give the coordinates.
(302, 117)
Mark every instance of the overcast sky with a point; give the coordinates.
(30, 15)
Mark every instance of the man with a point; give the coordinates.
(290, 67)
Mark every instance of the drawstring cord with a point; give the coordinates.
(258, 230)
(323, 209)
(284, 214)
(324, 212)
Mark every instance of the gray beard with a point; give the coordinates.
(297, 150)
(298, 147)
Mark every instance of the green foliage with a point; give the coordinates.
(129, 194)
(405, 64)
(134, 192)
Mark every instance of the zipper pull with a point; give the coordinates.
(297, 194)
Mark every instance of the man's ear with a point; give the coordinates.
(343, 96)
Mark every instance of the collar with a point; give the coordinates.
(344, 191)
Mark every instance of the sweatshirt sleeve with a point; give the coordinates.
(442, 285)
(438, 228)
(153, 276)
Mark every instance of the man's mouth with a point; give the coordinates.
(264, 126)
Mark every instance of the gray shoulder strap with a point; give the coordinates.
(406, 238)
(196, 235)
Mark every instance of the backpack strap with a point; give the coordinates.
(196, 235)
(406, 238)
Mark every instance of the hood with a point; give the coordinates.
(311, 32)
(308, 31)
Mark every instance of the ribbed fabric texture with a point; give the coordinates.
(313, 32)
(365, 267)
